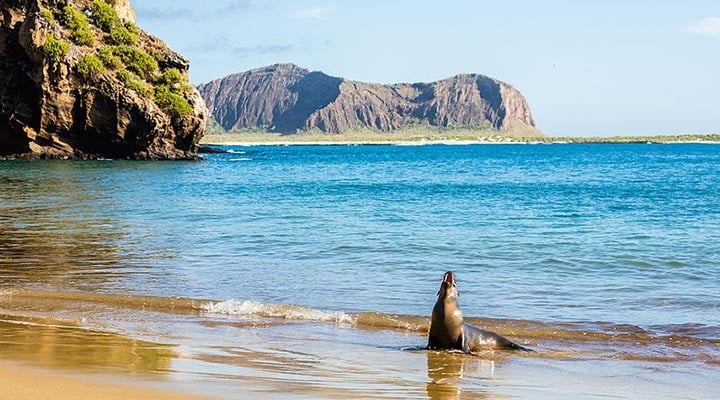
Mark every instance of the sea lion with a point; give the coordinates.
(449, 332)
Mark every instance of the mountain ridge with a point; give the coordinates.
(289, 99)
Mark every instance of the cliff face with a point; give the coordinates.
(288, 99)
(79, 80)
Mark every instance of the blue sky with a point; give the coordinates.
(599, 68)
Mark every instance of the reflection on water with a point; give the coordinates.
(50, 345)
(54, 224)
(446, 372)
(71, 225)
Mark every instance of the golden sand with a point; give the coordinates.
(24, 383)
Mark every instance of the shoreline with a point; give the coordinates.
(314, 140)
(22, 382)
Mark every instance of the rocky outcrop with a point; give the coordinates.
(79, 80)
(125, 10)
(288, 99)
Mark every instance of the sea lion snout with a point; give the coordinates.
(449, 278)
(448, 286)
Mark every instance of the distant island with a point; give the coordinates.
(293, 102)
(284, 103)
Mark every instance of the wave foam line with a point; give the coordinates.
(284, 311)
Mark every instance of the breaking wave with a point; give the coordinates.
(284, 311)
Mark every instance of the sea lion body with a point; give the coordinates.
(449, 332)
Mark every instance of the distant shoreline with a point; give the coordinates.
(274, 139)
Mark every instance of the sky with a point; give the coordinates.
(587, 68)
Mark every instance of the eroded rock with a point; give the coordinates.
(50, 107)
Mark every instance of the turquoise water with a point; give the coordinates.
(590, 235)
(616, 233)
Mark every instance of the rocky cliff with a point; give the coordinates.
(78, 79)
(287, 99)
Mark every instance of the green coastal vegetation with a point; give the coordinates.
(682, 138)
(55, 49)
(77, 22)
(114, 48)
(90, 67)
(215, 134)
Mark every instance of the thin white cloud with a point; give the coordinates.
(706, 26)
(223, 45)
(246, 51)
(168, 13)
(315, 13)
(217, 10)
(234, 7)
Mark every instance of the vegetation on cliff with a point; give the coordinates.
(55, 49)
(92, 84)
(119, 52)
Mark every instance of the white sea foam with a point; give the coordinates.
(231, 151)
(285, 311)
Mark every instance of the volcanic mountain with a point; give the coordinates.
(288, 99)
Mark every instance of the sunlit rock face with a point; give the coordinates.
(79, 80)
(286, 98)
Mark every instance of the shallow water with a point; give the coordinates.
(310, 271)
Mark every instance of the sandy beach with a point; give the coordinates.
(20, 382)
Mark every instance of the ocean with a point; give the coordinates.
(310, 271)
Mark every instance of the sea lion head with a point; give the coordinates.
(448, 287)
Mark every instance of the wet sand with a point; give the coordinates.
(25, 383)
(284, 351)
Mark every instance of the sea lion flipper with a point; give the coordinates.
(479, 339)
(515, 346)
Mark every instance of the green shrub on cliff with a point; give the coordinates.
(133, 29)
(134, 82)
(104, 15)
(175, 80)
(55, 49)
(48, 15)
(109, 59)
(171, 76)
(90, 67)
(171, 102)
(122, 35)
(79, 26)
(136, 60)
